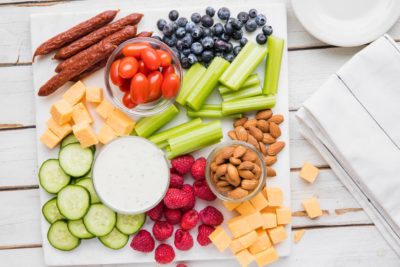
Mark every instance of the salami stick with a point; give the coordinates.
(75, 32)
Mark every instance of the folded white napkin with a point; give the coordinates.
(354, 122)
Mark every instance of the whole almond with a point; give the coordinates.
(232, 135)
(225, 189)
(251, 140)
(219, 159)
(263, 125)
(275, 148)
(269, 160)
(246, 165)
(222, 183)
(263, 149)
(214, 178)
(249, 184)
(278, 119)
(241, 133)
(246, 174)
(264, 114)
(257, 172)
(250, 123)
(227, 152)
(256, 133)
(249, 156)
(274, 130)
(233, 175)
(268, 139)
(235, 161)
(239, 151)
(221, 170)
(214, 166)
(240, 122)
(238, 193)
(271, 172)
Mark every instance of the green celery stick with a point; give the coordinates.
(252, 80)
(243, 93)
(160, 139)
(273, 65)
(147, 126)
(198, 138)
(190, 79)
(210, 111)
(248, 104)
(245, 63)
(206, 84)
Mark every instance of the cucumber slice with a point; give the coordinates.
(52, 177)
(100, 220)
(115, 239)
(78, 229)
(88, 184)
(130, 224)
(51, 212)
(75, 160)
(69, 139)
(73, 201)
(61, 238)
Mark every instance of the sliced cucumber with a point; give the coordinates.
(52, 177)
(78, 229)
(61, 238)
(51, 212)
(69, 139)
(130, 224)
(75, 160)
(115, 239)
(100, 220)
(73, 201)
(88, 184)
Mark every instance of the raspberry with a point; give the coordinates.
(182, 164)
(189, 219)
(202, 191)
(176, 198)
(156, 213)
(164, 254)
(211, 216)
(176, 181)
(198, 169)
(183, 240)
(181, 265)
(204, 233)
(162, 230)
(173, 216)
(192, 199)
(143, 242)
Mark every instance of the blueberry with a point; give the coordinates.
(228, 28)
(236, 24)
(243, 17)
(185, 63)
(189, 26)
(225, 37)
(220, 45)
(228, 47)
(207, 56)
(207, 21)
(267, 30)
(215, 38)
(224, 13)
(168, 30)
(197, 32)
(192, 59)
(229, 57)
(176, 52)
(250, 26)
(207, 32)
(243, 41)
(218, 29)
(219, 54)
(196, 48)
(207, 42)
(180, 33)
(186, 51)
(187, 41)
(261, 20)
(173, 15)
(179, 45)
(170, 40)
(261, 38)
(174, 25)
(253, 13)
(210, 11)
(199, 59)
(236, 50)
(196, 17)
(237, 35)
(161, 23)
(156, 37)
(182, 22)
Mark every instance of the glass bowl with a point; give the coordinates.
(212, 185)
(146, 109)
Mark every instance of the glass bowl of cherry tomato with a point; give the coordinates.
(143, 76)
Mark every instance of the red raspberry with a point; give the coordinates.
(192, 199)
(156, 213)
(183, 240)
(211, 216)
(162, 230)
(204, 233)
(176, 198)
(173, 216)
(202, 191)
(164, 254)
(189, 219)
(181, 265)
(176, 181)
(198, 169)
(182, 164)
(143, 242)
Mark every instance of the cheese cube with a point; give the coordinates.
(244, 258)
(245, 208)
(259, 201)
(298, 234)
(248, 239)
(266, 257)
(312, 207)
(60, 130)
(274, 196)
(106, 134)
(283, 215)
(269, 220)
(220, 239)
(236, 246)
(121, 123)
(239, 226)
(85, 134)
(104, 109)
(255, 220)
(277, 234)
(262, 242)
(61, 111)
(94, 94)
(75, 93)
(269, 209)
(230, 205)
(309, 172)
(50, 139)
(80, 114)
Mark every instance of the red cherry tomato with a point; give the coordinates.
(126, 86)
(150, 58)
(128, 67)
(126, 99)
(165, 57)
(134, 49)
(170, 85)
(139, 88)
(168, 70)
(114, 75)
(155, 81)
(142, 68)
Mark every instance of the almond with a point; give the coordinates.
(249, 184)
(264, 114)
(269, 160)
(268, 139)
(257, 172)
(240, 122)
(256, 133)
(250, 123)
(227, 152)
(275, 148)
(233, 175)
(238, 193)
(235, 161)
(225, 189)
(222, 183)
(274, 130)
(241, 133)
(246, 165)
(245, 174)
(263, 149)
(271, 172)
(249, 156)
(263, 125)
(251, 140)
(278, 119)
(214, 166)
(219, 159)
(214, 178)
(239, 151)
(232, 135)
(221, 170)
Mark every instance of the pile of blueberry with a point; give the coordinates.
(200, 40)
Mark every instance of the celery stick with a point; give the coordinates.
(206, 84)
(160, 139)
(248, 104)
(196, 139)
(191, 77)
(210, 111)
(147, 126)
(273, 65)
(245, 63)
(252, 80)
(243, 93)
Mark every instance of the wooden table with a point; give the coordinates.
(344, 236)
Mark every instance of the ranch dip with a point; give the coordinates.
(131, 175)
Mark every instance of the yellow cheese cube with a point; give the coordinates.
(94, 94)
(269, 220)
(259, 201)
(104, 109)
(245, 208)
(269, 209)
(121, 123)
(80, 114)
(312, 207)
(277, 234)
(283, 215)
(230, 205)
(236, 246)
(255, 220)
(106, 134)
(50, 139)
(266, 257)
(61, 111)
(298, 234)
(85, 134)
(60, 130)
(239, 226)
(244, 258)
(220, 239)
(75, 93)
(248, 239)
(274, 196)
(309, 172)
(262, 242)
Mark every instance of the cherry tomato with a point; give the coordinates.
(134, 49)
(155, 81)
(150, 58)
(165, 57)
(170, 85)
(126, 86)
(168, 70)
(128, 67)
(126, 99)
(114, 75)
(142, 68)
(139, 88)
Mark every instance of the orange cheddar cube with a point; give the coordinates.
(230, 205)
(274, 196)
(269, 209)
(283, 215)
(85, 134)
(248, 239)
(277, 234)
(259, 201)
(312, 207)
(50, 139)
(75, 93)
(245, 208)
(298, 235)
(121, 123)
(269, 220)
(220, 239)
(266, 257)
(60, 130)
(80, 114)
(309, 172)
(244, 258)
(255, 220)
(104, 109)
(61, 111)
(239, 226)
(262, 242)
(106, 134)
(236, 246)
(94, 94)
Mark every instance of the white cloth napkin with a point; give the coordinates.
(354, 122)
